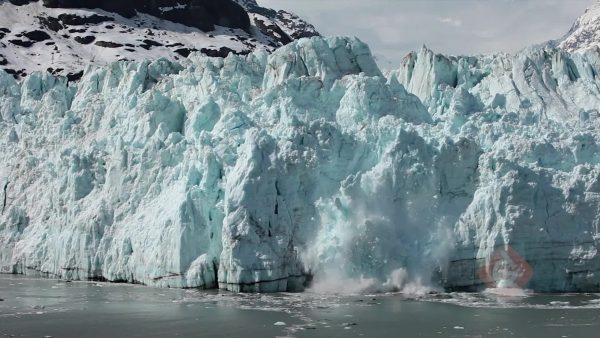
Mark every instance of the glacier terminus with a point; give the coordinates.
(306, 167)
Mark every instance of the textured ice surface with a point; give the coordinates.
(254, 173)
(533, 122)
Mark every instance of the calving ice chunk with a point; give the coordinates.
(262, 172)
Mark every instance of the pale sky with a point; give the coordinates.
(394, 27)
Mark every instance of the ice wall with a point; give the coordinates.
(535, 117)
(258, 172)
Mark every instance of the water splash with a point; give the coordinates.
(371, 242)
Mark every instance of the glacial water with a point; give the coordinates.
(49, 308)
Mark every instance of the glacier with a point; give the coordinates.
(266, 172)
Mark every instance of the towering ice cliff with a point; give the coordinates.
(262, 172)
(534, 118)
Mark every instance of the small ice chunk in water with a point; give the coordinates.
(280, 324)
(459, 328)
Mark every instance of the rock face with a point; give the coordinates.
(585, 33)
(48, 35)
(202, 14)
(261, 172)
(278, 21)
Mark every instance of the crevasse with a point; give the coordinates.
(261, 172)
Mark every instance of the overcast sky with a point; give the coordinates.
(394, 27)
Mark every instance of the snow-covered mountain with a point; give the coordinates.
(585, 33)
(62, 37)
(260, 172)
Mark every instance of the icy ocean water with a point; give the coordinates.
(43, 308)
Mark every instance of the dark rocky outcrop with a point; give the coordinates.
(50, 23)
(74, 76)
(185, 52)
(221, 52)
(3, 32)
(85, 40)
(202, 14)
(273, 31)
(76, 20)
(37, 35)
(148, 44)
(108, 44)
(16, 73)
(22, 43)
(21, 2)
(297, 27)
